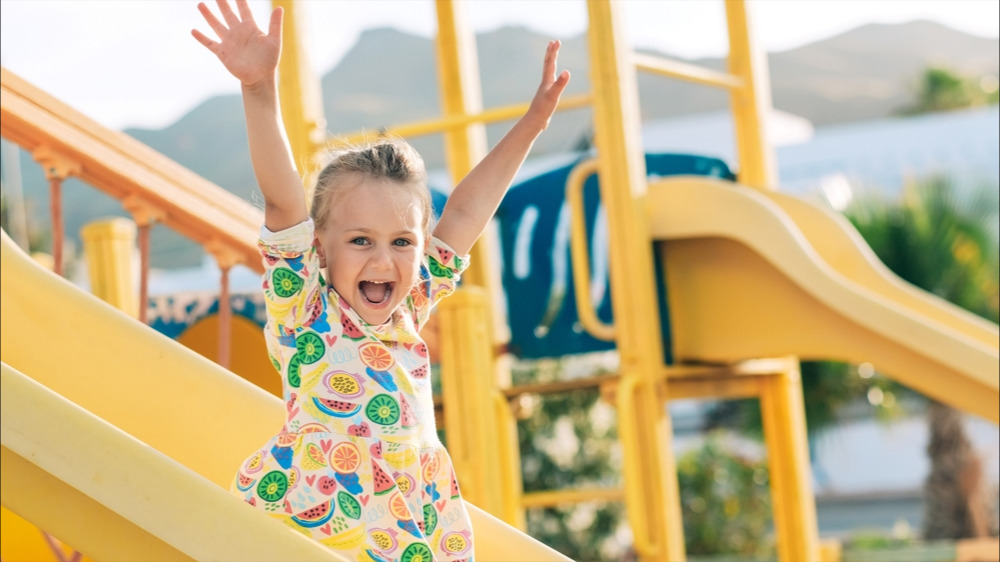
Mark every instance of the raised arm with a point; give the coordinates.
(252, 57)
(476, 198)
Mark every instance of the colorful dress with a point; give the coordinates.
(358, 464)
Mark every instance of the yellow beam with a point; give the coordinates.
(447, 123)
(751, 104)
(458, 80)
(298, 87)
(687, 72)
(792, 502)
(110, 246)
(555, 497)
(650, 473)
(465, 388)
(498, 489)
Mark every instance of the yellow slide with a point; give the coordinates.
(754, 274)
(121, 442)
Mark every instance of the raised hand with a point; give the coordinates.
(547, 97)
(248, 54)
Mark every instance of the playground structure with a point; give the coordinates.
(679, 244)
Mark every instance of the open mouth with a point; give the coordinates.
(376, 292)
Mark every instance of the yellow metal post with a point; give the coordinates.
(650, 476)
(458, 78)
(301, 100)
(465, 146)
(751, 103)
(471, 428)
(781, 402)
(793, 505)
(109, 246)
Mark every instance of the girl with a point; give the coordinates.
(357, 464)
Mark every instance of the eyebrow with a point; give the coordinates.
(370, 231)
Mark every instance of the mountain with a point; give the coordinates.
(389, 78)
(871, 71)
(862, 74)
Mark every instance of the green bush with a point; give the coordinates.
(725, 501)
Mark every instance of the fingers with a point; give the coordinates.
(557, 87)
(210, 18)
(208, 43)
(244, 8)
(231, 20)
(274, 28)
(551, 56)
(227, 12)
(561, 81)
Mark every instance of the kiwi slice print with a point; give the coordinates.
(383, 409)
(349, 505)
(285, 282)
(272, 486)
(416, 552)
(438, 270)
(294, 371)
(430, 519)
(309, 348)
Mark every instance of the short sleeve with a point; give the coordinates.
(439, 276)
(291, 284)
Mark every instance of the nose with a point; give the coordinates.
(381, 257)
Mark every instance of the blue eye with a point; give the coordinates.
(400, 242)
(359, 241)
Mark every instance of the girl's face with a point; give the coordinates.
(372, 245)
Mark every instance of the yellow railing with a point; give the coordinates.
(145, 181)
(153, 188)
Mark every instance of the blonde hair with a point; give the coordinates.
(384, 159)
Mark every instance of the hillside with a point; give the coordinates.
(865, 73)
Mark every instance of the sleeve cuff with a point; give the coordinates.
(297, 237)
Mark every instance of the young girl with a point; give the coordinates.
(358, 464)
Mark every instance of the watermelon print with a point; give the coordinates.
(357, 464)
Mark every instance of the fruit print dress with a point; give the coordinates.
(358, 464)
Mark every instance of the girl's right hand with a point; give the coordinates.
(249, 54)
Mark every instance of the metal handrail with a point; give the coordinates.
(580, 252)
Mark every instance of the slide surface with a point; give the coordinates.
(752, 274)
(140, 436)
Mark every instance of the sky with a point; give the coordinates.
(133, 63)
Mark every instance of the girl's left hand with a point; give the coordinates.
(547, 97)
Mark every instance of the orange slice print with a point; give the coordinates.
(345, 457)
(431, 467)
(397, 506)
(376, 356)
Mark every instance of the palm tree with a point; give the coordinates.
(938, 240)
(942, 89)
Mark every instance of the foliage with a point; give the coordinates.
(934, 238)
(725, 503)
(941, 89)
(827, 388)
(876, 539)
(569, 440)
(937, 239)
